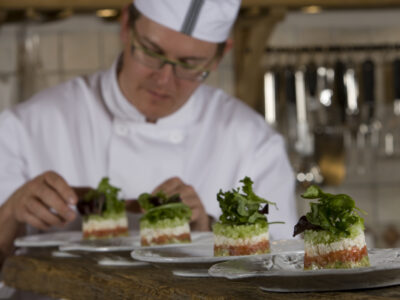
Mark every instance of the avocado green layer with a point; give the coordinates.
(326, 237)
(106, 216)
(240, 231)
(163, 223)
(364, 262)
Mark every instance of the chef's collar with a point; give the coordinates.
(122, 109)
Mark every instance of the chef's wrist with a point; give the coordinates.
(201, 223)
(12, 227)
(7, 215)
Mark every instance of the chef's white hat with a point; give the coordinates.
(208, 20)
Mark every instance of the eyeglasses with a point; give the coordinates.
(156, 61)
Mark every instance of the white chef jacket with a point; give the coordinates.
(86, 129)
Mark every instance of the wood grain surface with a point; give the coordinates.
(83, 278)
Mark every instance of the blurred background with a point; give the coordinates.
(325, 76)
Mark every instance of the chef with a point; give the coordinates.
(149, 123)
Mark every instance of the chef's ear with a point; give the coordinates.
(124, 33)
(228, 46)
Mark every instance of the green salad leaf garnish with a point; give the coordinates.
(168, 211)
(102, 200)
(148, 201)
(159, 207)
(334, 213)
(242, 206)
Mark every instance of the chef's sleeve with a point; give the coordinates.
(13, 171)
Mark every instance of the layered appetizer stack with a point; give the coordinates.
(243, 227)
(165, 221)
(103, 213)
(333, 232)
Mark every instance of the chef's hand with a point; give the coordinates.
(43, 202)
(175, 185)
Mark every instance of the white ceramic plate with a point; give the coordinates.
(120, 262)
(51, 239)
(104, 245)
(127, 243)
(203, 252)
(72, 240)
(284, 272)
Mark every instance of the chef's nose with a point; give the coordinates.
(165, 74)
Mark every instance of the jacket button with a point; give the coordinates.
(121, 130)
(176, 137)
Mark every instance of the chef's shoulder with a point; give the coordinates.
(232, 113)
(64, 98)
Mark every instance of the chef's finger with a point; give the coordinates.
(53, 200)
(169, 186)
(196, 212)
(189, 196)
(35, 221)
(59, 184)
(193, 202)
(186, 191)
(133, 206)
(42, 212)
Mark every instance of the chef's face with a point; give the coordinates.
(159, 92)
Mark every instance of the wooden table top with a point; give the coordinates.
(83, 278)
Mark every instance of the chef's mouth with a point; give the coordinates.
(158, 95)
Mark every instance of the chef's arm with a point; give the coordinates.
(9, 230)
(42, 202)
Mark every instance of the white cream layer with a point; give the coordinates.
(220, 240)
(107, 224)
(153, 233)
(322, 249)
